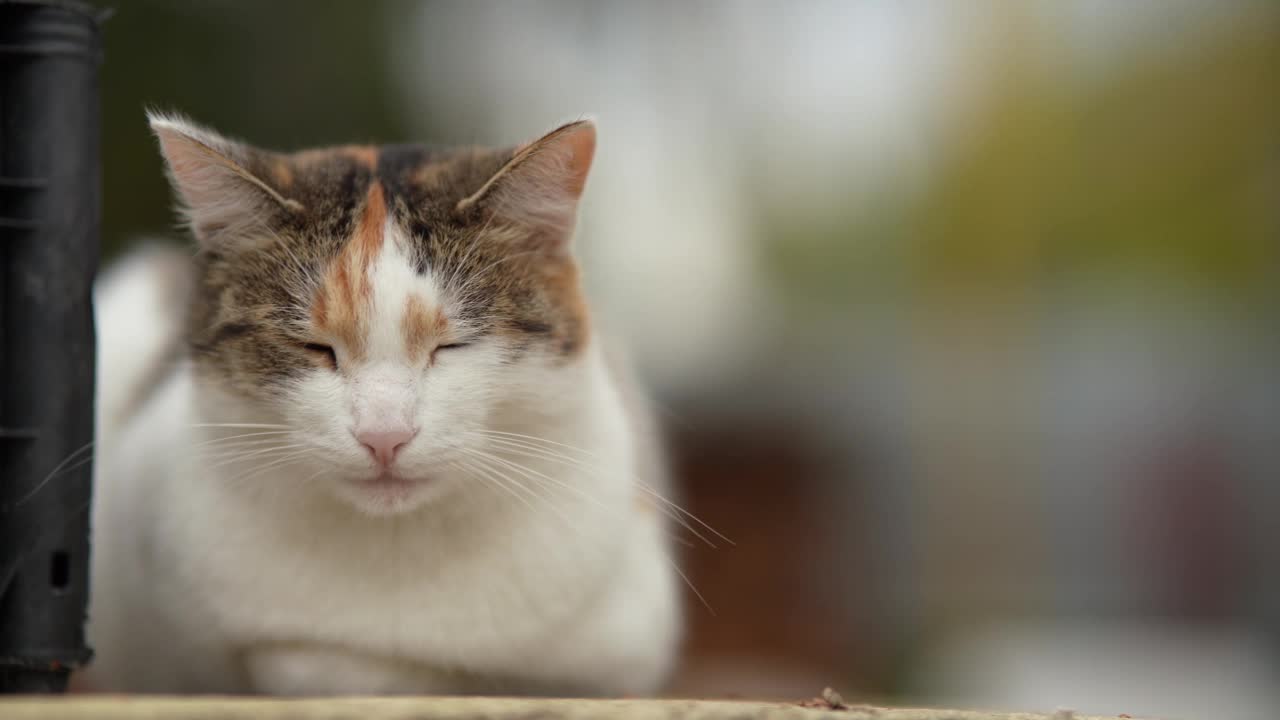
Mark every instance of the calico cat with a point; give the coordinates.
(368, 441)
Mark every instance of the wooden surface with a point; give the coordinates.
(109, 707)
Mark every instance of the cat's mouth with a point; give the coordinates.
(388, 480)
(388, 492)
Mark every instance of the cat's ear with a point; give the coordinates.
(221, 198)
(539, 188)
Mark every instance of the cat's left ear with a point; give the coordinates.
(539, 188)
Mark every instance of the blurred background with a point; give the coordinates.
(962, 317)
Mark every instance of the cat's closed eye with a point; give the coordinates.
(446, 346)
(324, 352)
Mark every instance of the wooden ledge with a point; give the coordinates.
(110, 707)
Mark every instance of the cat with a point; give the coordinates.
(368, 441)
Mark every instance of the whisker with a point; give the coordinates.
(681, 541)
(244, 435)
(643, 485)
(496, 475)
(236, 456)
(223, 443)
(674, 565)
(58, 469)
(286, 460)
(526, 472)
(75, 466)
(669, 508)
(240, 445)
(322, 471)
(494, 481)
(240, 425)
(646, 487)
(499, 463)
(689, 582)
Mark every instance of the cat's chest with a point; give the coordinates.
(411, 590)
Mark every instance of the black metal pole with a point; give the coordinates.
(49, 215)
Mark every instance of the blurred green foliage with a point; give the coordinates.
(1165, 167)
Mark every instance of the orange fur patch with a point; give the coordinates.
(340, 305)
(368, 237)
(366, 155)
(566, 288)
(363, 155)
(281, 173)
(568, 313)
(421, 326)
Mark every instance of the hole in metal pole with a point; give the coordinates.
(60, 570)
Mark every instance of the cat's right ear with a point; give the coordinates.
(221, 199)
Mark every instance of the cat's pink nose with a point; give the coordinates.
(384, 444)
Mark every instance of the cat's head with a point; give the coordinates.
(385, 304)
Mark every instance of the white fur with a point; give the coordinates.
(143, 318)
(299, 580)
